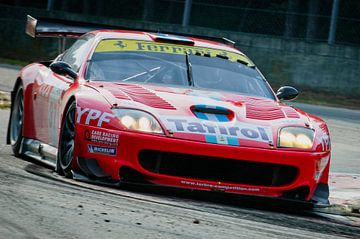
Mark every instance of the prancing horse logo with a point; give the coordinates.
(120, 44)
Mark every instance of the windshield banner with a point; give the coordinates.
(114, 45)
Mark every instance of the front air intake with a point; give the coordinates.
(217, 169)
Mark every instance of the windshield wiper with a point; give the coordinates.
(238, 60)
(189, 69)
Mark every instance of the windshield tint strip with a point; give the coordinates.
(115, 45)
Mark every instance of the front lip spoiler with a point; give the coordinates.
(273, 203)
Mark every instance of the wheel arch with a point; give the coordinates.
(71, 99)
(69, 102)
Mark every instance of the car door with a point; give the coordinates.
(49, 89)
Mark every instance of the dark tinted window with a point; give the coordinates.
(171, 69)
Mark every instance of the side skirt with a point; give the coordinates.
(39, 151)
(79, 176)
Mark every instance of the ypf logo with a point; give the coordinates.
(93, 116)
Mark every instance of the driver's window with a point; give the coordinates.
(77, 53)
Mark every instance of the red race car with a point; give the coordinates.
(177, 111)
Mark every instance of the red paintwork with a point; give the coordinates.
(47, 95)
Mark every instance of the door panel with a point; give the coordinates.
(48, 91)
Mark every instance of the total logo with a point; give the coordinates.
(238, 130)
(93, 116)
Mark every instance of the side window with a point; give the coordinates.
(77, 53)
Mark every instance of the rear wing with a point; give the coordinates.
(62, 29)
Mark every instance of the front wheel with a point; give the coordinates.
(16, 121)
(66, 142)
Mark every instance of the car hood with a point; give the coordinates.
(207, 115)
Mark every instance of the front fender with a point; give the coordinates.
(94, 110)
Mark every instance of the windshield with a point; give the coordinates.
(210, 69)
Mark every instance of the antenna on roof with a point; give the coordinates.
(228, 42)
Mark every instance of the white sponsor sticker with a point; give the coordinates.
(238, 130)
(93, 115)
(101, 150)
(103, 137)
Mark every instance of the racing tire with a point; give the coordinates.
(66, 143)
(16, 121)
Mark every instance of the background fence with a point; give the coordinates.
(292, 19)
(294, 54)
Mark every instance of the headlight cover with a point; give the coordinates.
(296, 137)
(138, 120)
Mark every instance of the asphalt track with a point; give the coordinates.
(36, 203)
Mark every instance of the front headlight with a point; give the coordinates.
(138, 120)
(296, 137)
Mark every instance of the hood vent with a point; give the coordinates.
(290, 112)
(143, 96)
(118, 94)
(261, 109)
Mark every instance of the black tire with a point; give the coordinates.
(16, 121)
(66, 142)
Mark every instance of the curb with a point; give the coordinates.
(347, 210)
(345, 195)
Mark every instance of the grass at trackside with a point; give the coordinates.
(4, 106)
(309, 97)
(4, 100)
(13, 62)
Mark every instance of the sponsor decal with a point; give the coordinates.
(220, 132)
(103, 137)
(51, 95)
(93, 116)
(218, 186)
(101, 150)
(113, 45)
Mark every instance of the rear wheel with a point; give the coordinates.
(66, 144)
(16, 121)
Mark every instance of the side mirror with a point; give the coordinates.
(287, 93)
(63, 68)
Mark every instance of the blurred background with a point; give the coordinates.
(311, 44)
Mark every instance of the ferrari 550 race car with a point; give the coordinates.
(171, 110)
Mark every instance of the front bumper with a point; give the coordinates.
(129, 145)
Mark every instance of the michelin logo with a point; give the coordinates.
(237, 130)
(101, 150)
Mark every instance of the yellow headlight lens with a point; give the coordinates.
(128, 121)
(144, 124)
(296, 137)
(303, 141)
(138, 120)
(287, 139)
